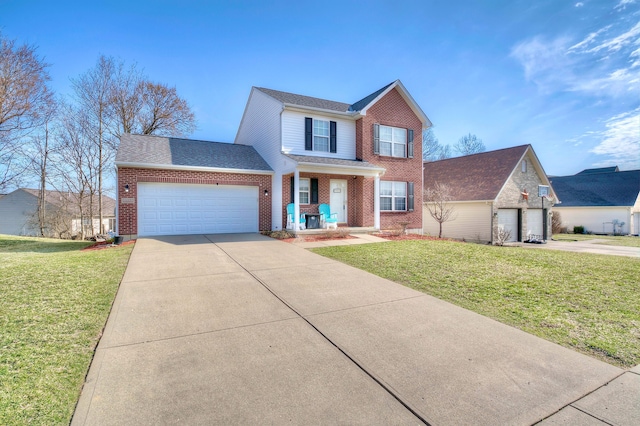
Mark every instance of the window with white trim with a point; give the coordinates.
(320, 135)
(524, 166)
(393, 141)
(304, 190)
(393, 196)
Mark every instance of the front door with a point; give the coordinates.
(339, 199)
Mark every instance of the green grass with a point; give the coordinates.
(54, 304)
(617, 240)
(590, 303)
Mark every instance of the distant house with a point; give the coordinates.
(603, 200)
(18, 214)
(490, 191)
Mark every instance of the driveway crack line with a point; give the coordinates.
(373, 377)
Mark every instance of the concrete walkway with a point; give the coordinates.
(588, 246)
(244, 329)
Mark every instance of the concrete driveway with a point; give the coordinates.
(595, 246)
(244, 329)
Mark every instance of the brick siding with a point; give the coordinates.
(128, 213)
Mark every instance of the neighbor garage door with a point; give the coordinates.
(534, 223)
(175, 209)
(508, 220)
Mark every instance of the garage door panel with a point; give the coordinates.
(508, 220)
(172, 209)
(534, 222)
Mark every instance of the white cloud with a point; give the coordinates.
(620, 141)
(617, 43)
(579, 4)
(623, 4)
(542, 60)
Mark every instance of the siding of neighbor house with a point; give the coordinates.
(17, 209)
(595, 219)
(510, 196)
(293, 135)
(472, 222)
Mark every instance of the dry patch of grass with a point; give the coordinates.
(586, 302)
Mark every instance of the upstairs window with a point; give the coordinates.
(321, 135)
(392, 141)
(524, 166)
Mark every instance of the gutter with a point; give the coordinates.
(192, 168)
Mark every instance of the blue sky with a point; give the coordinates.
(563, 76)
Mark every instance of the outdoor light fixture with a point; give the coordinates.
(126, 188)
(266, 192)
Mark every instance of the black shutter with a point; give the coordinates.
(410, 196)
(308, 134)
(376, 139)
(314, 191)
(410, 144)
(292, 189)
(332, 137)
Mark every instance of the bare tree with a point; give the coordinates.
(164, 112)
(431, 148)
(469, 144)
(438, 199)
(24, 99)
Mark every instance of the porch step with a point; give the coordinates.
(351, 230)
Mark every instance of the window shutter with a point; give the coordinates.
(376, 139)
(308, 134)
(410, 144)
(410, 196)
(332, 137)
(292, 189)
(314, 191)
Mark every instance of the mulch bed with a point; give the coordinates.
(105, 245)
(314, 238)
(392, 237)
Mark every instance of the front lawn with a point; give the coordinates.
(610, 240)
(55, 301)
(587, 302)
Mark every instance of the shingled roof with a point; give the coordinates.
(476, 177)
(305, 101)
(69, 201)
(598, 189)
(163, 151)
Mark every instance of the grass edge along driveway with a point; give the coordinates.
(585, 302)
(54, 305)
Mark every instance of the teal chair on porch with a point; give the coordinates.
(327, 219)
(290, 221)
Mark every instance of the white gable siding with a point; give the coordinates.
(595, 219)
(260, 127)
(293, 135)
(472, 222)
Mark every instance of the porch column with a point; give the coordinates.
(296, 200)
(376, 202)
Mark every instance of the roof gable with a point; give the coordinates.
(160, 151)
(364, 104)
(598, 189)
(476, 177)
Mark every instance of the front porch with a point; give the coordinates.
(346, 229)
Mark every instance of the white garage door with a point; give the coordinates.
(508, 220)
(177, 209)
(534, 223)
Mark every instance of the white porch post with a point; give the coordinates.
(296, 200)
(376, 202)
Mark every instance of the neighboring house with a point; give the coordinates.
(363, 159)
(599, 200)
(491, 191)
(63, 217)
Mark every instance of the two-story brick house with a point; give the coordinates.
(363, 159)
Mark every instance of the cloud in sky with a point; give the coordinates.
(620, 141)
(603, 64)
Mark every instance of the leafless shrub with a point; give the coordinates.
(336, 233)
(556, 223)
(503, 235)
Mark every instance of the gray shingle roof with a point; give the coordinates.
(305, 101)
(308, 101)
(332, 161)
(598, 189)
(69, 201)
(599, 170)
(164, 151)
(475, 177)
